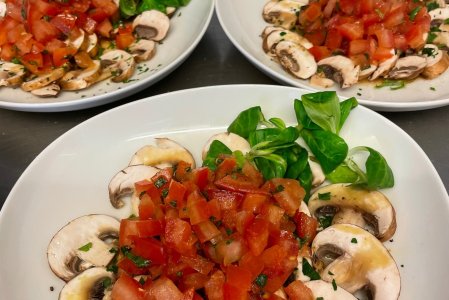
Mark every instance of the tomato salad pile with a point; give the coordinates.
(53, 45)
(350, 40)
(225, 232)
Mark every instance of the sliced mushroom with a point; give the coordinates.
(233, 141)
(50, 90)
(143, 50)
(151, 25)
(11, 74)
(370, 210)
(81, 79)
(437, 61)
(81, 244)
(165, 153)
(296, 59)
(170, 11)
(2, 9)
(320, 80)
(272, 39)
(441, 13)
(78, 41)
(340, 69)
(366, 72)
(385, 66)
(282, 13)
(356, 260)
(408, 67)
(325, 290)
(92, 44)
(43, 80)
(122, 184)
(92, 284)
(117, 64)
(269, 29)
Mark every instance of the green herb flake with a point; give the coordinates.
(324, 196)
(113, 250)
(325, 221)
(282, 33)
(86, 247)
(179, 274)
(15, 60)
(432, 5)
(164, 193)
(334, 284)
(279, 188)
(107, 282)
(320, 298)
(140, 262)
(160, 182)
(379, 13)
(229, 242)
(414, 12)
(142, 281)
(433, 88)
(354, 240)
(393, 84)
(330, 273)
(428, 51)
(261, 280)
(309, 271)
(173, 203)
(228, 231)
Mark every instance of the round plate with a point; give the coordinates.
(70, 179)
(243, 23)
(187, 27)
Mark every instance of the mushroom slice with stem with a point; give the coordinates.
(165, 153)
(325, 290)
(43, 80)
(78, 41)
(366, 72)
(269, 29)
(91, 47)
(142, 50)
(50, 90)
(91, 284)
(233, 141)
(282, 13)
(81, 79)
(271, 40)
(82, 243)
(122, 184)
(357, 261)
(385, 66)
(408, 67)
(370, 210)
(437, 61)
(11, 74)
(340, 69)
(151, 25)
(117, 64)
(296, 59)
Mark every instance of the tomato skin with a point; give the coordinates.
(256, 236)
(226, 199)
(178, 234)
(205, 231)
(297, 290)
(352, 31)
(312, 12)
(127, 288)
(239, 277)
(382, 54)
(316, 37)
(198, 263)
(139, 228)
(176, 193)
(64, 22)
(129, 267)
(253, 202)
(149, 248)
(306, 227)
(197, 208)
(32, 62)
(104, 28)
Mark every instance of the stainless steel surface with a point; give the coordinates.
(214, 62)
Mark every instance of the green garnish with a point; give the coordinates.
(107, 282)
(324, 196)
(86, 247)
(393, 84)
(432, 5)
(414, 12)
(334, 284)
(309, 271)
(139, 261)
(354, 240)
(261, 280)
(160, 182)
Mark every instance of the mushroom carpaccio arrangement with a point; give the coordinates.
(275, 211)
(49, 46)
(347, 41)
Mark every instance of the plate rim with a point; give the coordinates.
(284, 79)
(102, 99)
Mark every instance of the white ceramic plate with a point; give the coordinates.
(187, 27)
(70, 178)
(243, 23)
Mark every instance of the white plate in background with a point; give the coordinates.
(70, 179)
(187, 27)
(243, 23)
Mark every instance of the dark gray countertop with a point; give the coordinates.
(214, 62)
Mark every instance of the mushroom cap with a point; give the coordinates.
(43, 80)
(269, 29)
(441, 13)
(282, 13)
(50, 90)
(408, 67)
(340, 69)
(11, 74)
(385, 66)
(357, 260)
(296, 59)
(66, 259)
(233, 141)
(86, 286)
(165, 153)
(80, 79)
(368, 209)
(143, 50)
(117, 63)
(276, 36)
(122, 184)
(151, 25)
(325, 290)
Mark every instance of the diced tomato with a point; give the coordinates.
(312, 12)
(385, 38)
(238, 183)
(288, 193)
(253, 202)
(139, 228)
(415, 37)
(8, 52)
(129, 267)
(182, 171)
(104, 28)
(242, 220)
(226, 167)
(205, 231)
(195, 280)
(64, 22)
(214, 209)
(400, 42)
(61, 55)
(358, 46)
(148, 248)
(197, 208)
(351, 31)
(214, 286)
(126, 288)
(176, 193)
(198, 263)
(230, 250)
(306, 226)
(238, 277)
(333, 39)
(162, 288)
(226, 199)
(320, 52)
(395, 18)
(256, 236)
(346, 6)
(273, 214)
(44, 31)
(382, 54)
(297, 290)
(108, 6)
(32, 62)
(178, 235)
(252, 263)
(316, 37)
(202, 177)
(231, 292)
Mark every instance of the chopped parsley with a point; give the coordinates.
(393, 84)
(164, 193)
(334, 284)
(86, 247)
(433, 88)
(320, 298)
(140, 262)
(325, 221)
(282, 33)
(330, 273)
(324, 196)
(173, 203)
(428, 51)
(354, 240)
(279, 188)
(413, 13)
(160, 182)
(261, 280)
(431, 6)
(107, 282)
(309, 271)
(142, 281)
